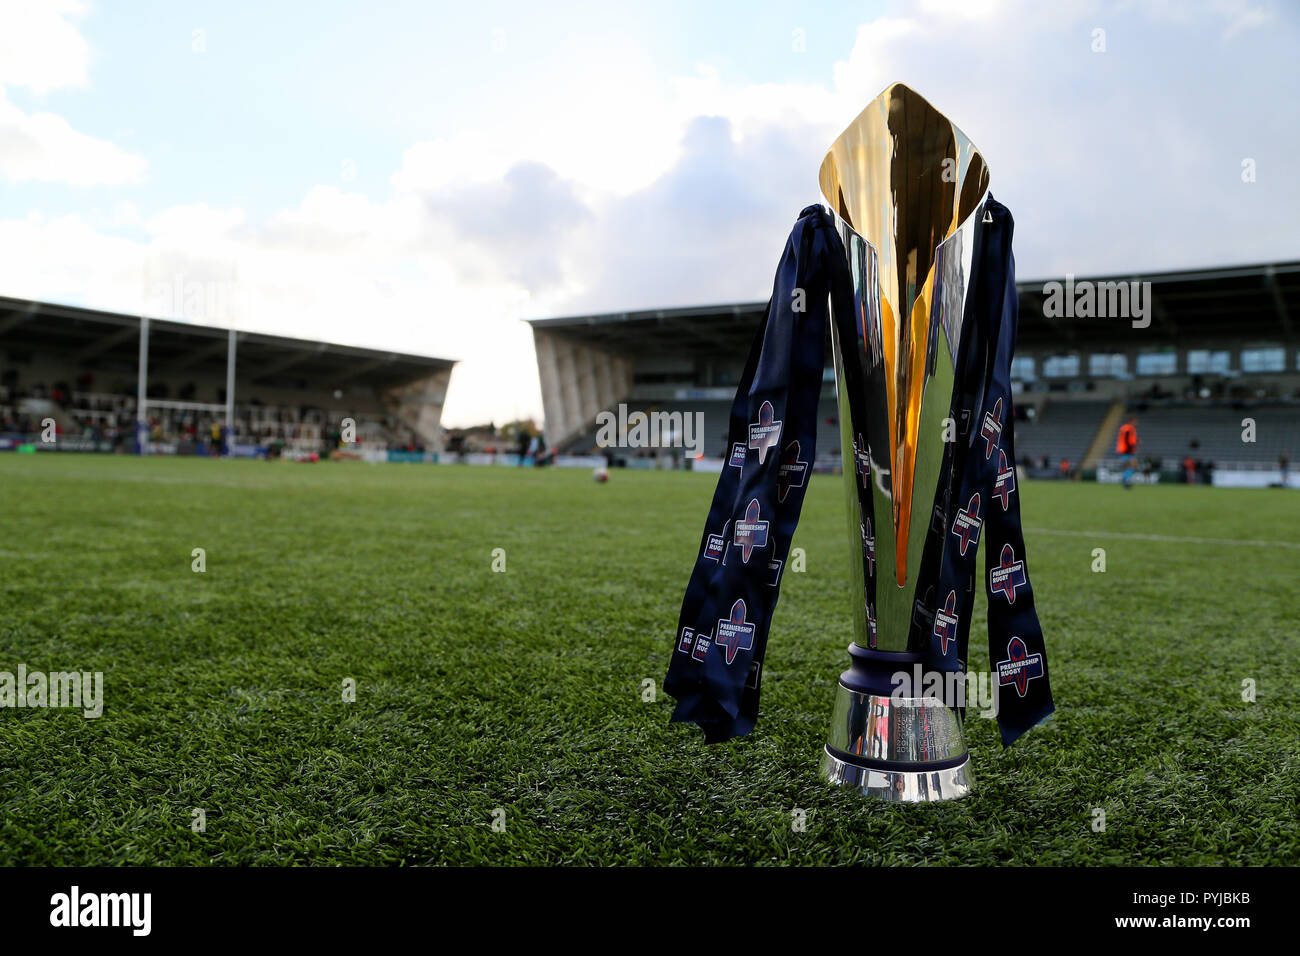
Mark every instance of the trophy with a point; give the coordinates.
(906, 188)
(913, 270)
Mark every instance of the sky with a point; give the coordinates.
(425, 176)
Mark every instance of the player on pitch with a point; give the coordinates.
(1126, 447)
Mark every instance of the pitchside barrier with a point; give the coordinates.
(1234, 474)
(1267, 478)
(511, 459)
(27, 444)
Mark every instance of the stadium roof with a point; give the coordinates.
(96, 339)
(1244, 302)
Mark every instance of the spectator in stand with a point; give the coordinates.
(1284, 466)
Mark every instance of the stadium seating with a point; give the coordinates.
(1167, 431)
(108, 416)
(1061, 430)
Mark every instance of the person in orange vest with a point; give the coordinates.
(1126, 448)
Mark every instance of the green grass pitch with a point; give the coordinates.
(518, 696)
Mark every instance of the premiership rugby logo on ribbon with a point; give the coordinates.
(750, 532)
(774, 568)
(764, 433)
(715, 547)
(992, 429)
(735, 633)
(1020, 667)
(793, 471)
(1008, 575)
(945, 622)
(862, 458)
(1005, 483)
(869, 545)
(966, 525)
(696, 645)
(738, 453)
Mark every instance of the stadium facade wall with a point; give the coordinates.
(578, 381)
(418, 405)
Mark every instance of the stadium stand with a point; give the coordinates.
(1171, 432)
(80, 367)
(1211, 342)
(1059, 430)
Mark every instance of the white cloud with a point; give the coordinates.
(64, 259)
(41, 47)
(611, 126)
(196, 223)
(962, 9)
(1242, 15)
(42, 147)
(442, 163)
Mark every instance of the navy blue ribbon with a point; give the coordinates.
(716, 668)
(984, 498)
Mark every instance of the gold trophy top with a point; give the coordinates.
(904, 178)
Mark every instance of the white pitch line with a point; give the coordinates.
(1169, 538)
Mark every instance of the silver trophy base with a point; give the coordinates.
(897, 749)
(898, 786)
